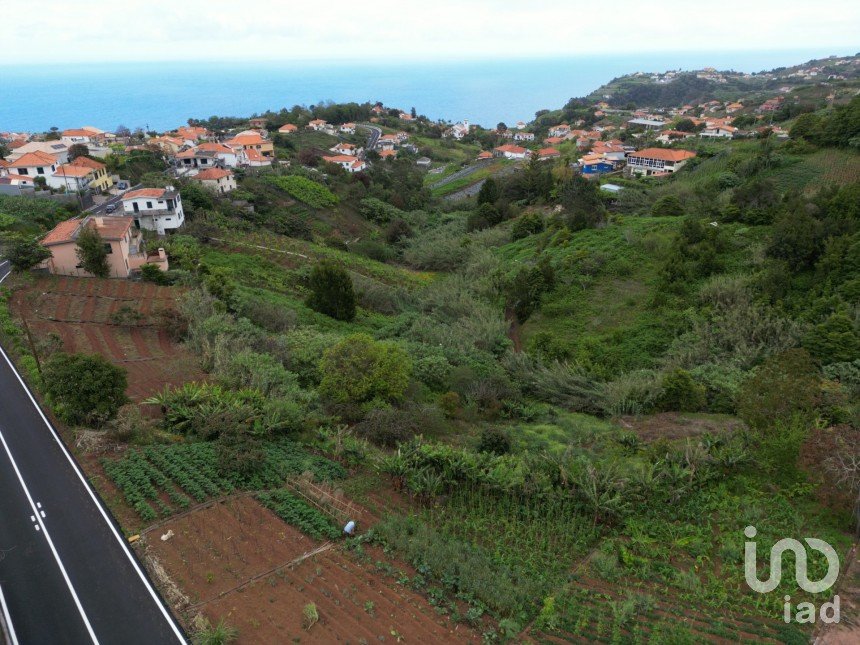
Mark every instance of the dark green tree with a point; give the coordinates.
(83, 388)
(24, 253)
(332, 292)
(78, 150)
(92, 252)
(489, 192)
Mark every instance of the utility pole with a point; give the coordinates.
(32, 345)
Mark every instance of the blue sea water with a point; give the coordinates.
(164, 95)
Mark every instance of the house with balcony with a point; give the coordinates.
(217, 179)
(123, 242)
(155, 209)
(251, 141)
(99, 178)
(209, 155)
(657, 161)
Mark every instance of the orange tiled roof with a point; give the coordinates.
(213, 173)
(62, 232)
(663, 154)
(70, 170)
(37, 158)
(156, 193)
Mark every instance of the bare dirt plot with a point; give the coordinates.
(82, 312)
(216, 549)
(678, 425)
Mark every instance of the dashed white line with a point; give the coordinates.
(97, 502)
(7, 619)
(43, 528)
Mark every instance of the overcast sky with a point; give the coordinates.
(51, 31)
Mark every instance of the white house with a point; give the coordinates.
(458, 130)
(77, 135)
(719, 131)
(210, 155)
(57, 149)
(217, 179)
(347, 162)
(510, 151)
(657, 161)
(317, 124)
(344, 148)
(387, 142)
(33, 165)
(524, 136)
(559, 130)
(155, 209)
(347, 128)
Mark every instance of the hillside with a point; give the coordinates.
(675, 88)
(551, 409)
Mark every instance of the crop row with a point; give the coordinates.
(298, 513)
(160, 480)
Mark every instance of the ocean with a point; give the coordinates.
(162, 96)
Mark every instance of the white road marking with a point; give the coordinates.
(98, 504)
(7, 618)
(36, 527)
(50, 542)
(38, 504)
(43, 513)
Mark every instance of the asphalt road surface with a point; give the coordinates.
(374, 132)
(99, 209)
(67, 574)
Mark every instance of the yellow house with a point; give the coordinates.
(82, 173)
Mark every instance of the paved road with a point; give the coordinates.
(66, 573)
(474, 189)
(373, 137)
(465, 172)
(99, 209)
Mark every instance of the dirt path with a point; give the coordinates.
(847, 631)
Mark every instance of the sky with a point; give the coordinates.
(380, 30)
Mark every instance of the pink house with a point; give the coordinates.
(123, 242)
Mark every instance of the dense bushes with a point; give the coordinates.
(84, 389)
(359, 370)
(331, 291)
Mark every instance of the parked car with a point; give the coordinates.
(110, 208)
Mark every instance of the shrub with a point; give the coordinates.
(359, 370)
(833, 341)
(391, 426)
(331, 291)
(681, 393)
(495, 441)
(784, 385)
(152, 273)
(667, 206)
(220, 634)
(635, 392)
(84, 389)
(433, 370)
(528, 224)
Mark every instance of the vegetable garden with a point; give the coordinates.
(161, 480)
